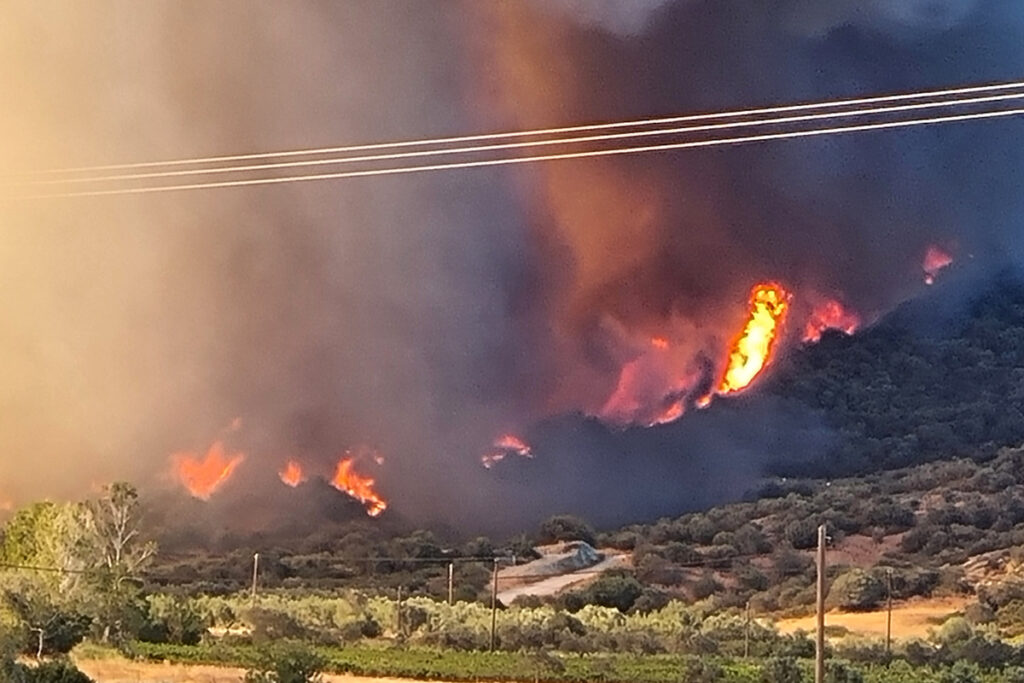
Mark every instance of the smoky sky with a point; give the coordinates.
(426, 315)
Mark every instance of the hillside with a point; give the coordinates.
(936, 379)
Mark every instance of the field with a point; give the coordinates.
(912, 619)
(119, 670)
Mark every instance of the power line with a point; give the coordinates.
(544, 131)
(614, 151)
(956, 102)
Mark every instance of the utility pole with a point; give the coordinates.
(888, 612)
(819, 643)
(494, 601)
(451, 583)
(398, 613)
(255, 574)
(746, 634)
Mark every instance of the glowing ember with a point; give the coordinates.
(830, 316)
(935, 259)
(292, 474)
(659, 343)
(506, 445)
(752, 350)
(204, 476)
(347, 480)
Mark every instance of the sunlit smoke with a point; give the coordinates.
(292, 474)
(752, 349)
(204, 476)
(358, 486)
(831, 315)
(935, 259)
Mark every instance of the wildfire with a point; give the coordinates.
(203, 476)
(347, 480)
(752, 350)
(935, 259)
(292, 474)
(506, 445)
(671, 413)
(830, 315)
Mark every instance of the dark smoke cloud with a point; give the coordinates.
(427, 315)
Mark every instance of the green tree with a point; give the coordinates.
(565, 528)
(122, 553)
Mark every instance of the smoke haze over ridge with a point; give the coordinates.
(426, 315)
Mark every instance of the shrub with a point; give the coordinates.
(856, 590)
(781, 670)
(702, 671)
(288, 664)
(565, 528)
(56, 671)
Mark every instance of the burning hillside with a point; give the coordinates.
(579, 310)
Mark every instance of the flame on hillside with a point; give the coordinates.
(830, 315)
(358, 486)
(935, 259)
(752, 350)
(292, 474)
(203, 476)
(505, 445)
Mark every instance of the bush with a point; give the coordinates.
(57, 671)
(781, 670)
(172, 619)
(702, 671)
(288, 664)
(565, 528)
(856, 590)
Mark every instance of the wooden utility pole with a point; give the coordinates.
(255, 574)
(494, 601)
(746, 634)
(888, 612)
(451, 583)
(398, 613)
(819, 642)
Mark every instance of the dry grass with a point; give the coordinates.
(911, 619)
(119, 670)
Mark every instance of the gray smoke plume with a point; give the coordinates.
(426, 315)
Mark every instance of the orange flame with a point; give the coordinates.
(830, 315)
(347, 480)
(671, 413)
(292, 474)
(752, 350)
(935, 259)
(506, 444)
(203, 476)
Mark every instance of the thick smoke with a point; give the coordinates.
(427, 315)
